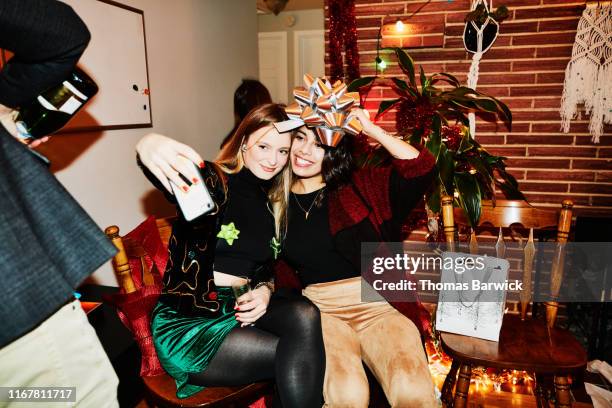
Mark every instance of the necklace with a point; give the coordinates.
(307, 213)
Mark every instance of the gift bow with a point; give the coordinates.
(324, 107)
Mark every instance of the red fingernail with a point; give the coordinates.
(202, 164)
(185, 188)
(195, 180)
(237, 308)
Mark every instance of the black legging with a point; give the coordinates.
(286, 344)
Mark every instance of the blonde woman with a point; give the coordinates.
(202, 338)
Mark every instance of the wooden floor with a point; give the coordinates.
(493, 400)
(507, 399)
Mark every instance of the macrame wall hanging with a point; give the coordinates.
(588, 76)
(479, 34)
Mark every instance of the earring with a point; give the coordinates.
(244, 148)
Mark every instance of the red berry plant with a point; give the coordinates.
(437, 117)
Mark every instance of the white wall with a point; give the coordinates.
(198, 51)
(304, 20)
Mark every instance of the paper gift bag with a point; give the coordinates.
(471, 301)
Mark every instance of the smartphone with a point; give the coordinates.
(195, 202)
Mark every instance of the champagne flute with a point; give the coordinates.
(241, 287)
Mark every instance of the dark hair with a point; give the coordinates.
(250, 94)
(338, 164)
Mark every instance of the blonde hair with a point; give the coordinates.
(230, 159)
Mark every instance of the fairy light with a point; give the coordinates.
(399, 26)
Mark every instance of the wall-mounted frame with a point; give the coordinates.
(116, 59)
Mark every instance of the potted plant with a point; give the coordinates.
(438, 118)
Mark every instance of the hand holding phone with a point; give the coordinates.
(196, 201)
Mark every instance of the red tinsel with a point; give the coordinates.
(343, 34)
(452, 135)
(414, 115)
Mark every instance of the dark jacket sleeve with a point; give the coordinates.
(408, 181)
(47, 39)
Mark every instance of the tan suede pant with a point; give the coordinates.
(373, 332)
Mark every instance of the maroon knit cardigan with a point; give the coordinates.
(347, 209)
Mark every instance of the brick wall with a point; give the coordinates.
(525, 68)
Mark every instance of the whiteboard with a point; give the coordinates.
(116, 59)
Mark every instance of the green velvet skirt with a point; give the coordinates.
(186, 344)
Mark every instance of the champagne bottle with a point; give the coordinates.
(52, 109)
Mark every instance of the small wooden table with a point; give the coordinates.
(523, 345)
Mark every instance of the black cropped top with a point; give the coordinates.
(247, 226)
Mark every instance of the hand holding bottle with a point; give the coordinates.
(161, 155)
(7, 119)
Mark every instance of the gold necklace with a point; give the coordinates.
(307, 213)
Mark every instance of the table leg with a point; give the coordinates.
(449, 382)
(540, 392)
(463, 386)
(562, 392)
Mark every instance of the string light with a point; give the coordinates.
(399, 26)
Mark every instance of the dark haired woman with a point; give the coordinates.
(200, 338)
(333, 208)
(250, 94)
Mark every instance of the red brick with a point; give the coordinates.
(495, 91)
(485, 66)
(586, 139)
(603, 176)
(596, 188)
(378, 9)
(556, 128)
(368, 22)
(556, 198)
(412, 7)
(539, 163)
(562, 151)
(506, 79)
(517, 103)
(540, 65)
(547, 103)
(492, 127)
(594, 164)
(544, 38)
(553, 52)
(548, 12)
(539, 90)
(551, 78)
(539, 139)
(602, 201)
(533, 116)
(560, 175)
(525, 186)
(605, 152)
(507, 151)
(511, 53)
(489, 140)
(433, 40)
(558, 25)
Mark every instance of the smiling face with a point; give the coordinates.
(306, 154)
(265, 152)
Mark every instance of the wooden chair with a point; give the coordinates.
(524, 344)
(161, 390)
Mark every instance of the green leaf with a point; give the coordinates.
(423, 81)
(358, 83)
(435, 138)
(386, 105)
(469, 196)
(446, 169)
(406, 64)
(446, 78)
(433, 201)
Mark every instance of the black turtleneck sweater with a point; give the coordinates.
(247, 208)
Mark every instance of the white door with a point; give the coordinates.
(308, 54)
(273, 64)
